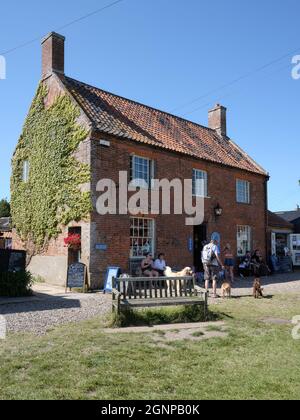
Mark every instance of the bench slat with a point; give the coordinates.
(159, 290)
(162, 302)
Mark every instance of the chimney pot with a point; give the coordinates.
(217, 120)
(53, 54)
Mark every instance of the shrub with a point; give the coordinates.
(150, 317)
(15, 284)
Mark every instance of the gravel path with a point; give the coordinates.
(38, 314)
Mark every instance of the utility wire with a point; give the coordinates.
(233, 82)
(73, 22)
(232, 93)
(222, 87)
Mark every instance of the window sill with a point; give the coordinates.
(201, 196)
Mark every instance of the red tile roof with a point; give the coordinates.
(124, 118)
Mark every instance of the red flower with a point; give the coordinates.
(73, 240)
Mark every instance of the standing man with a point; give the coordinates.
(212, 262)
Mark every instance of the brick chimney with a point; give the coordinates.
(217, 120)
(53, 54)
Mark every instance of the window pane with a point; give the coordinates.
(25, 175)
(243, 240)
(199, 183)
(142, 237)
(243, 191)
(140, 169)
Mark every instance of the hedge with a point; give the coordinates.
(15, 284)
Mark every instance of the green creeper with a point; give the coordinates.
(51, 198)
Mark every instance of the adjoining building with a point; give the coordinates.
(116, 135)
(279, 234)
(5, 233)
(292, 217)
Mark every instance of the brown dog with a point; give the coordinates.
(226, 290)
(257, 289)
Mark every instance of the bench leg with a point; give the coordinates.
(206, 307)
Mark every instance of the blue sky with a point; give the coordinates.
(166, 53)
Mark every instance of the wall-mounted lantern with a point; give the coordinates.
(218, 210)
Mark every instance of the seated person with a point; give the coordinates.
(160, 265)
(147, 267)
(260, 268)
(245, 266)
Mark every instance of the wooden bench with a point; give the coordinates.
(148, 292)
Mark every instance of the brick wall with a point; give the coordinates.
(172, 234)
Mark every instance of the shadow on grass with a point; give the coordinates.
(246, 296)
(161, 316)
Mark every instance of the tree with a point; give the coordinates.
(4, 208)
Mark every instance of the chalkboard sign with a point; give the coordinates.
(76, 276)
(13, 261)
(112, 272)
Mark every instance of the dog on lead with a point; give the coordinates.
(186, 272)
(257, 289)
(226, 290)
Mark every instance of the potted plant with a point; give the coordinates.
(73, 241)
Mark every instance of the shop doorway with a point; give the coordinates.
(74, 250)
(280, 241)
(200, 239)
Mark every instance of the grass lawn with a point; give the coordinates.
(255, 361)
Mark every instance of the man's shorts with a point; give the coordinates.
(211, 272)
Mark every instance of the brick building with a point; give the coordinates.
(147, 143)
(292, 217)
(5, 233)
(279, 233)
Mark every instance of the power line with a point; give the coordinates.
(245, 76)
(73, 22)
(231, 93)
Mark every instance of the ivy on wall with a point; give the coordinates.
(52, 196)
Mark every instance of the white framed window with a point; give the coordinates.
(200, 188)
(25, 175)
(243, 240)
(142, 237)
(242, 191)
(141, 170)
(8, 243)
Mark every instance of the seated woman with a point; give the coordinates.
(160, 265)
(147, 267)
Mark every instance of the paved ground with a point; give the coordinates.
(50, 305)
(281, 283)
